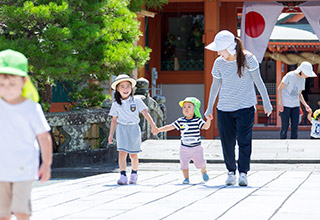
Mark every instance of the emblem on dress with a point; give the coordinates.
(133, 107)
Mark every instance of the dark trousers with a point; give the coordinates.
(236, 126)
(286, 115)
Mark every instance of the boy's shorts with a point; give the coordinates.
(15, 197)
(192, 153)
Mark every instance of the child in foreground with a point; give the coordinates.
(125, 120)
(23, 128)
(190, 126)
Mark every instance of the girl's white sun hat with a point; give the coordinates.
(121, 78)
(224, 40)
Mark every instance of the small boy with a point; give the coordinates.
(190, 126)
(23, 128)
(315, 121)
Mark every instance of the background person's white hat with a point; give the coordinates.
(307, 69)
(224, 40)
(121, 78)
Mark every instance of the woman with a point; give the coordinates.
(235, 72)
(290, 96)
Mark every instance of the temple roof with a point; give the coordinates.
(293, 28)
(292, 33)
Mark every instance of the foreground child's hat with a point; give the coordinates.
(121, 78)
(224, 40)
(316, 114)
(13, 62)
(196, 102)
(306, 68)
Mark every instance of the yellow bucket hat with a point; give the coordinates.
(15, 63)
(196, 102)
(316, 114)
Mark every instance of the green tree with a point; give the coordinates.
(137, 5)
(73, 40)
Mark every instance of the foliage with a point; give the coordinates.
(89, 96)
(76, 40)
(136, 5)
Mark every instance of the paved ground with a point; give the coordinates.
(284, 183)
(257, 134)
(263, 151)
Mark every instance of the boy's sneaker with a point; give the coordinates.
(231, 180)
(243, 179)
(186, 181)
(133, 178)
(123, 180)
(205, 177)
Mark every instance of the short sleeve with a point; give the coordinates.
(252, 62)
(39, 122)
(285, 79)
(216, 68)
(113, 111)
(176, 124)
(201, 123)
(140, 105)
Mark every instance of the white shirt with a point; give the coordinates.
(315, 129)
(292, 90)
(128, 111)
(19, 149)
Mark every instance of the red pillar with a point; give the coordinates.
(278, 81)
(211, 25)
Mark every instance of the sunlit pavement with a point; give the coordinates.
(284, 183)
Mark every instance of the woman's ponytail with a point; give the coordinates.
(241, 59)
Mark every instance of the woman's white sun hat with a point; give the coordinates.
(307, 69)
(121, 78)
(224, 40)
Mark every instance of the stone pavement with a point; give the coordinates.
(263, 151)
(284, 183)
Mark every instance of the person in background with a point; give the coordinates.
(315, 121)
(290, 96)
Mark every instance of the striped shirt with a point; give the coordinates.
(190, 130)
(237, 92)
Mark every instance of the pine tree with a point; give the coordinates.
(72, 40)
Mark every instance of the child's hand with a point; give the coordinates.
(110, 139)
(155, 130)
(44, 172)
(209, 117)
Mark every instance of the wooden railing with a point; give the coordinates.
(260, 116)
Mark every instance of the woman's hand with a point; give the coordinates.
(267, 113)
(308, 109)
(209, 117)
(280, 107)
